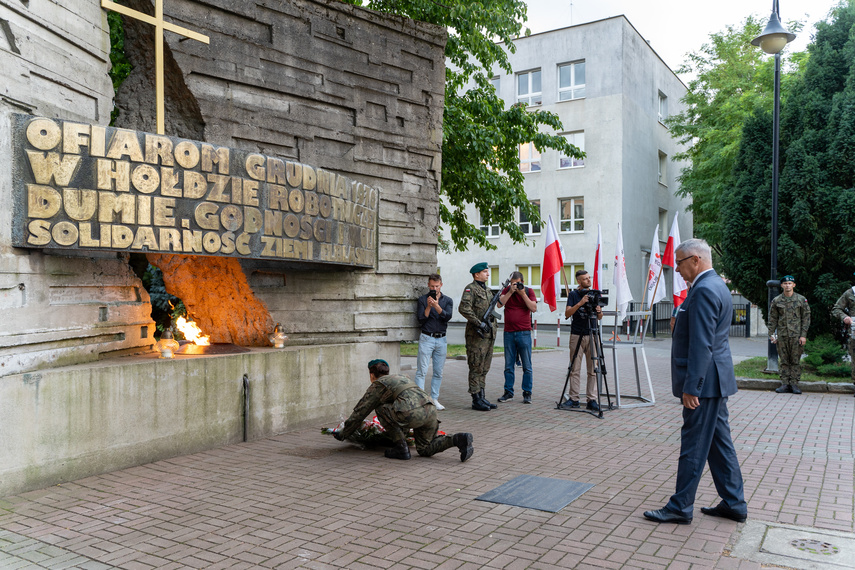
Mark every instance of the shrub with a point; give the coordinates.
(835, 369)
(823, 350)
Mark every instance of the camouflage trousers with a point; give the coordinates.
(851, 346)
(479, 356)
(423, 422)
(789, 359)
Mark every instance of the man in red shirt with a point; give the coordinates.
(519, 302)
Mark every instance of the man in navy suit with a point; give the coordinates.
(702, 376)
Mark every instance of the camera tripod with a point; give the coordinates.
(595, 343)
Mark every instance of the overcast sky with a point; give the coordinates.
(675, 27)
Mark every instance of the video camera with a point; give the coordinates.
(596, 298)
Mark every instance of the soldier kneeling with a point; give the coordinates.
(401, 405)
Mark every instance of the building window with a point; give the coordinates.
(531, 277)
(496, 82)
(572, 211)
(663, 168)
(529, 158)
(570, 270)
(571, 81)
(493, 281)
(489, 231)
(527, 226)
(528, 88)
(663, 107)
(663, 225)
(578, 140)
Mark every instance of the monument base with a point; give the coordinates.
(67, 423)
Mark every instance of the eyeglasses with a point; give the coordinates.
(679, 261)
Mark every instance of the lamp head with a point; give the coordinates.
(774, 37)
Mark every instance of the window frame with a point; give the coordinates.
(663, 169)
(526, 271)
(663, 102)
(572, 220)
(573, 161)
(494, 228)
(527, 97)
(530, 162)
(573, 87)
(536, 230)
(570, 270)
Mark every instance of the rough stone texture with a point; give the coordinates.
(65, 424)
(328, 85)
(59, 309)
(217, 296)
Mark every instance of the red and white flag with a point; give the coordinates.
(655, 289)
(553, 262)
(598, 256)
(679, 286)
(622, 293)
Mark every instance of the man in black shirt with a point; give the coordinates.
(579, 329)
(433, 312)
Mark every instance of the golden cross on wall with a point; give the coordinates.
(159, 26)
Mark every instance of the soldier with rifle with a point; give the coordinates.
(477, 305)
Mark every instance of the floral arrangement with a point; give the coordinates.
(370, 433)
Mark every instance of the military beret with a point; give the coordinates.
(377, 361)
(788, 278)
(479, 267)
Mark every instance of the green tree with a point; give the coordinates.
(816, 236)
(481, 138)
(732, 77)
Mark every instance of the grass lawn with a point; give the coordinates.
(753, 368)
(412, 349)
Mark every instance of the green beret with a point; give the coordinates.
(478, 267)
(378, 361)
(788, 278)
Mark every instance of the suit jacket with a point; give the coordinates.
(701, 364)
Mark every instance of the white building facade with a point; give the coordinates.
(611, 92)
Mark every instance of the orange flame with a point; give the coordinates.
(192, 332)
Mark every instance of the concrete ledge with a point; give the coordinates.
(762, 384)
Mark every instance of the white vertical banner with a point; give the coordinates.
(622, 293)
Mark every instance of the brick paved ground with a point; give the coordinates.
(304, 500)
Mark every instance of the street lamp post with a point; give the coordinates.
(772, 40)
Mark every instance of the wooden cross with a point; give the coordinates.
(159, 26)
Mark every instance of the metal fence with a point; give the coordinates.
(740, 324)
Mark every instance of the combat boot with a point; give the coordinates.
(400, 451)
(478, 404)
(484, 399)
(463, 441)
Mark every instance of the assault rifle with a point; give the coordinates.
(488, 314)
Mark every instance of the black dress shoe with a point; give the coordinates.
(796, 389)
(785, 389)
(724, 511)
(666, 516)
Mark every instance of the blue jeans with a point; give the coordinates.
(431, 349)
(518, 343)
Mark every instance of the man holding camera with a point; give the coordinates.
(789, 320)
(519, 302)
(433, 312)
(400, 405)
(579, 307)
(474, 303)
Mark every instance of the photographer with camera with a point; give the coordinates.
(480, 333)
(433, 312)
(582, 304)
(520, 303)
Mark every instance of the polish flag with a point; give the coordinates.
(655, 289)
(679, 286)
(553, 263)
(622, 293)
(597, 258)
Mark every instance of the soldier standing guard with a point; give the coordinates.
(789, 315)
(479, 351)
(844, 309)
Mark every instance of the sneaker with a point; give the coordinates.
(506, 396)
(593, 406)
(436, 404)
(526, 397)
(569, 404)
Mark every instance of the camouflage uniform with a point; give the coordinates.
(790, 316)
(479, 351)
(847, 301)
(400, 405)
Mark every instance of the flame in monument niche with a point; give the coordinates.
(192, 332)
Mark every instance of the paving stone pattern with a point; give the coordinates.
(304, 500)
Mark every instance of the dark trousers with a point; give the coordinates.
(705, 437)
